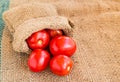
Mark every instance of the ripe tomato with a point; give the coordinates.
(38, 40)
(54, 33)
(62, 45)
(61, 65)
(38, 60)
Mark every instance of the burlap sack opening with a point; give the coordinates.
(24, 30)
(17, 15)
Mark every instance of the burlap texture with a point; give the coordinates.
(97, 34)
(24, 30)
(17, 15)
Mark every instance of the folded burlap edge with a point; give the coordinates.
(28, 27)
(17, 15)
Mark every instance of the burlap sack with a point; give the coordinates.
(98, 47)
(28, 27)
(17, 15)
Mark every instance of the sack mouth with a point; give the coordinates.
(28, 27)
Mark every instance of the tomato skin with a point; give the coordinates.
(56, 32)
(62, 45)
(38, 40)
(38, 60)
(61, 65)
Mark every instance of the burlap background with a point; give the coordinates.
(97, 34)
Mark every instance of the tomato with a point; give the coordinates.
(61, 65)
(38, 40)
(62, 45)
(38, 60)
(54, 33)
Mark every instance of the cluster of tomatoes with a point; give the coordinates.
(53, 48)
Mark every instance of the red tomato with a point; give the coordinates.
(38, 60)
(61, 65)
(54, 33)
(62, 45)
(38, 40)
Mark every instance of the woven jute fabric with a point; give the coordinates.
(96, 31)
(17, 15)
(24, 30)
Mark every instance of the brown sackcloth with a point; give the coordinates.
(17, 15)
(96, 30)
(28, 18)
(22, 32)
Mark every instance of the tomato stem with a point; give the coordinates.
(39, 41)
